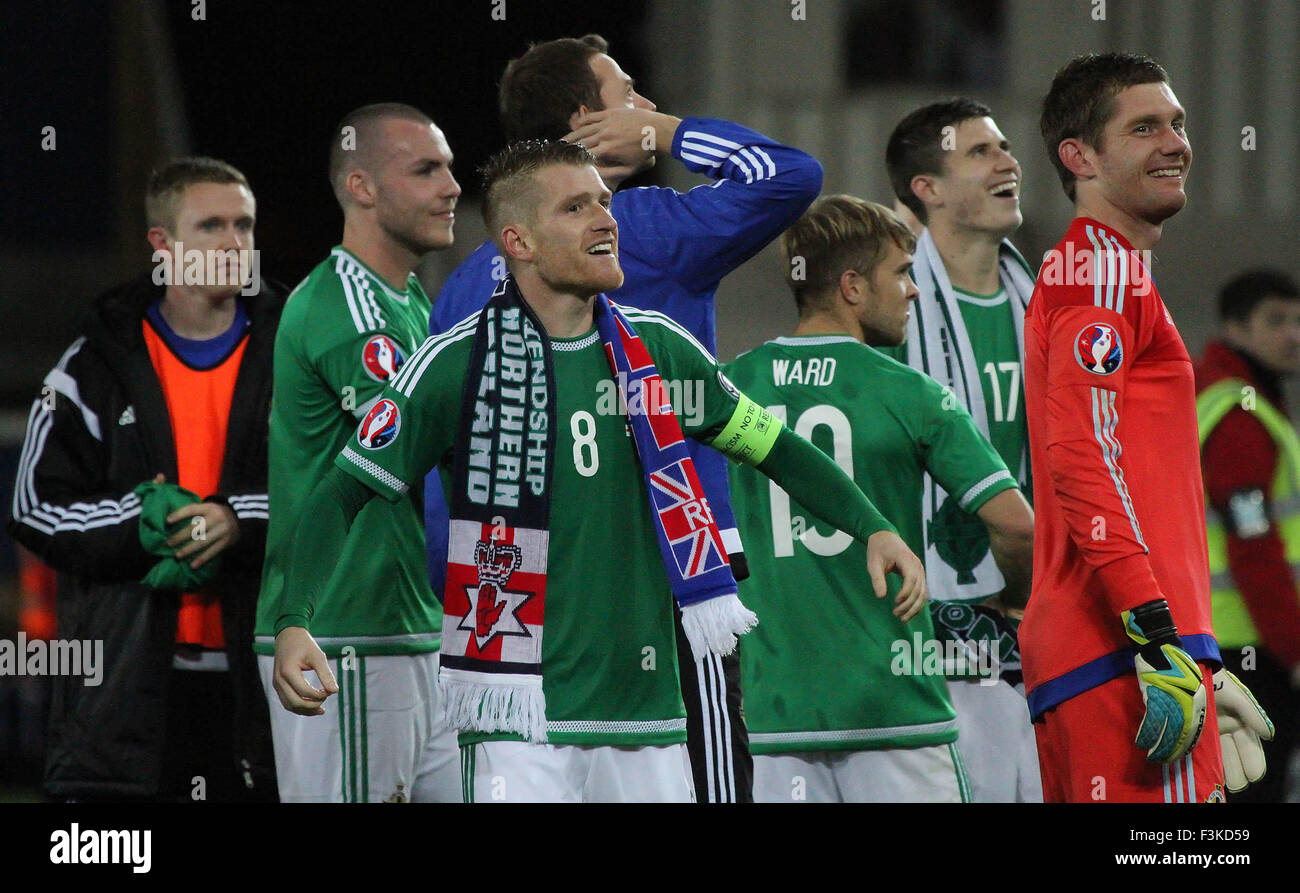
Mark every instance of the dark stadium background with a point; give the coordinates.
(125, 83)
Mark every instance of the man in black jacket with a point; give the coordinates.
(169, 383)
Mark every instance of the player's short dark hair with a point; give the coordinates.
(168, 183)
(1081, 100)
(542, 89)
(916, 145)
(1242, 293)
(354, 147)
(837, 233)
(508, 192)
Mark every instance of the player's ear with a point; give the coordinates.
(581, 113)
(516, 243)
(852, 287)
(158, 239)
(926, 188)
(1077, 156)
(361, 188)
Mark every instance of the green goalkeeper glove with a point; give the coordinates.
(1242, 723)
(1170, 682)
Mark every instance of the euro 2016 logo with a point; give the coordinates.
(381, 358)
(380, 426)
(1097, 348)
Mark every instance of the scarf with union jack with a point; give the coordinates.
(491, 663)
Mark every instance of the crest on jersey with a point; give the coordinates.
(380, 426)
(1097, 348)
(381, 358)
(494, 609)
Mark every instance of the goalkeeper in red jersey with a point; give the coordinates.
(1121, 579)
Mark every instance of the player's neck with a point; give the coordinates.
(195, 315)
(828, 323)
(1141, 234)
(970, 257)
(562, 314)
(392, 262)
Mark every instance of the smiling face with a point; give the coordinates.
(1144, 155)
(887, 297)
(572, 240)
(980, 185)
(617, 89)
(415, 192)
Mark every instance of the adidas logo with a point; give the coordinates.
(127, 417)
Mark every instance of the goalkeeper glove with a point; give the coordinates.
(1170, 683)
(1242, 723)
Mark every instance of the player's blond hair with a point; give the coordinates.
(167, 185)
(838, 233)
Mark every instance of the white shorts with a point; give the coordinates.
(520, 772)
(382, 737)
(997, 741)
(900, 775)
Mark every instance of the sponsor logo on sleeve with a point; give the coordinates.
(1097, 348)
(380, 426)
(381, 358)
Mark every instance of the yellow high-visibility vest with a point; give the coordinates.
(1233, 627)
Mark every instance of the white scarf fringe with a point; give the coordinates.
(491, 702)
(714, 625)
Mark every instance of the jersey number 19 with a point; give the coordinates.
(783, 528)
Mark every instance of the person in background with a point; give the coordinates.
(952, 170)
(143, 483)
(1250, 458)
(348, 329)
(834, 714)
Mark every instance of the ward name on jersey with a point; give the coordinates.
(818, 669)
(610, 667)
(345, 333)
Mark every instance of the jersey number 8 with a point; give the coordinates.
(586, 455)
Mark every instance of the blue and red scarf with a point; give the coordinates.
(491, 662)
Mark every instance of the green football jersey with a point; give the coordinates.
(609, 666)
(992, 333)
(829, 667)
(343, 334)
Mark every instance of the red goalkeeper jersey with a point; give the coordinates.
(1119, 515)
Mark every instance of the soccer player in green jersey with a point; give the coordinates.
(952, 167)
(347, 330)
(846, 701)
(614, 725)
